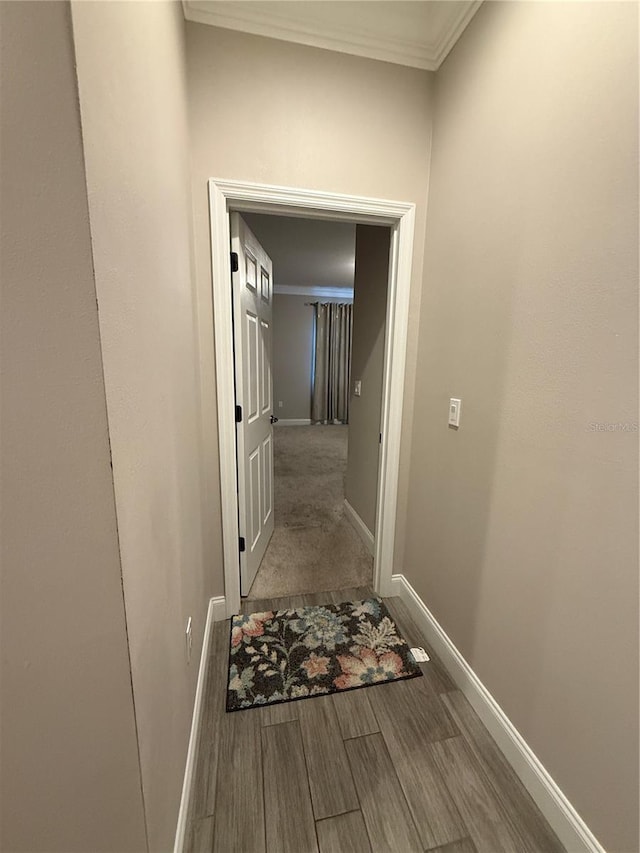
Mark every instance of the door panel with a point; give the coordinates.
(267, 479)
(252, 365)
(252, 272)
(255, 524)
(265, 338)
(252, 307)
(265, 284)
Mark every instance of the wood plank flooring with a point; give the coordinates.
(396, 768)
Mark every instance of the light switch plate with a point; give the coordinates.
(455, 407)
(357, 387)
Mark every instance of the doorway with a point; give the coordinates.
(325, 332)
(227, 196)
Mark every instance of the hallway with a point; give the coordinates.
(497, 146)
(395, 768)
(313, 547)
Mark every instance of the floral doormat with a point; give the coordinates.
(311, 651)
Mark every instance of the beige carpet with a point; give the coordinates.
(313, 548)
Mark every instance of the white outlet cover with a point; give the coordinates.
(419, 655)
(455, 407)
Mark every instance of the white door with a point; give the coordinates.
(252, 308)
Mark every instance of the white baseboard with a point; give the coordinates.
(561, 815)
(293, 422)
(215, 612)
(219, 608)
(360, 527)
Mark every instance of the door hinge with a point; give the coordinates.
(380, 439)
(234, 262)
(238, 414)
(241, 544)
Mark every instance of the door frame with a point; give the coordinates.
(244, 196)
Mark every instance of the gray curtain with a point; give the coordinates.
(332, 363)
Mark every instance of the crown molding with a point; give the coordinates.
(344, 40)
(451, 36)
(325, 292)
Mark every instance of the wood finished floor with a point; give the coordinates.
(396, 768)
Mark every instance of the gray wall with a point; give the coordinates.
(131, 71)
(70, 772)
(306, 252)
(292, 356)
(522, 532)
(327, 121)
(367, 363)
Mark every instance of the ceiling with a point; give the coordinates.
(418, 33)
(307, 254)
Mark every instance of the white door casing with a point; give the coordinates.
(252, 314)
(226, 196)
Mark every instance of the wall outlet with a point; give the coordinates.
(455, 407)
(279, 404)
(189, 639)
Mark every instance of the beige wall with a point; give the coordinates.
(367, 363)
(292, 356)
(133, 104)
(70, 772)
(522, 532)
(279, 113)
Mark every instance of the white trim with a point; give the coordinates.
(360, 527)
(451, 36)
(213, 611)
(219, 606)
(293, 422)
(313, 290)
(242, 196)
(395, 351)
(556, 808)
(259, 20)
